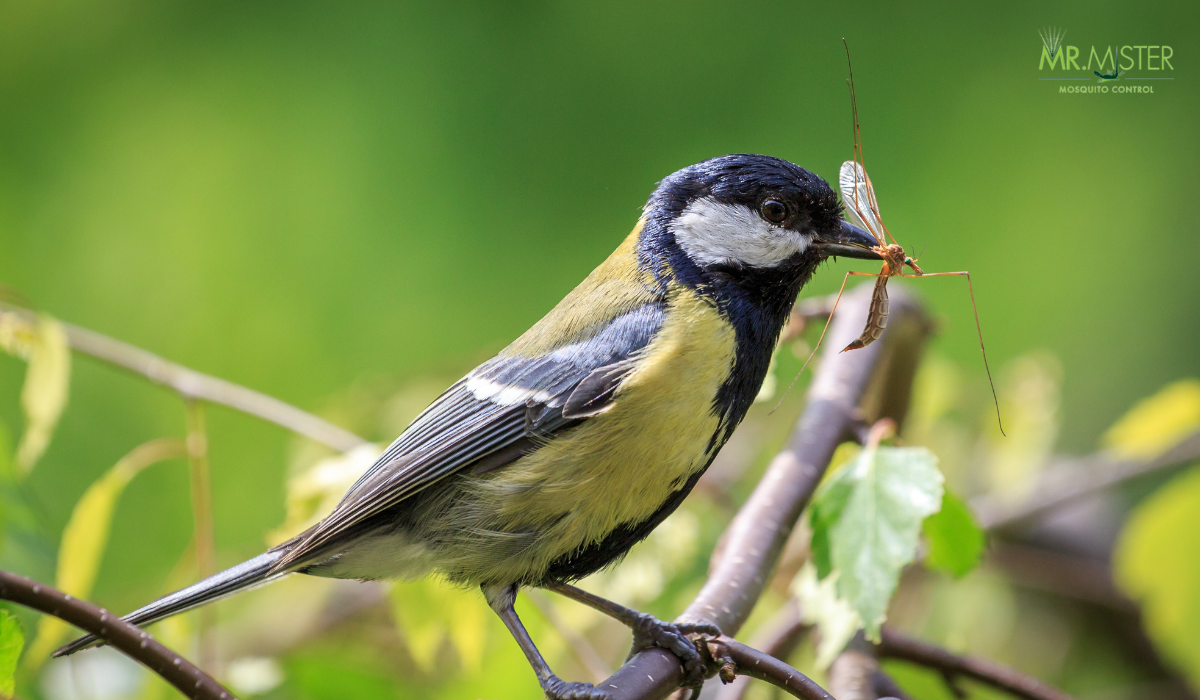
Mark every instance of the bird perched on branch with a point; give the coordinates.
(549, 461)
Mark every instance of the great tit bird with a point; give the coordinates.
(549, 461)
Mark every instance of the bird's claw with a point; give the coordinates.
(558, 689)
(649, 631)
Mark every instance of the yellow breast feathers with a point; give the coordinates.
(654, 437)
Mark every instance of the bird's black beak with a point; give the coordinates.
(849, 241)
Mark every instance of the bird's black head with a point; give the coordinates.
(746, 232)
(747, 217)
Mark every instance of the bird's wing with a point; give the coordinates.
(859, 198)
(501, 411)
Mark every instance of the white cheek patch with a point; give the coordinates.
(714, 233)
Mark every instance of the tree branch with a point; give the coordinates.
(896, 645)
(852, 674)
(120, 635)
(197, 385)
(737, 659)
(877, 377)
(1070, 479)
(779, 639)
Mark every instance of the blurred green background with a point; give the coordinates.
(316, 199)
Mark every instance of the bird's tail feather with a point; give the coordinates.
(249, 574)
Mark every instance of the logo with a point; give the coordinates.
(1136, 67)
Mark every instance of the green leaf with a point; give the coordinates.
(956, 542)
(12, 640)
(1155, 424)
(1156, 563)
(823, 516)
(86, 535)
(44, 394)
(867, 517)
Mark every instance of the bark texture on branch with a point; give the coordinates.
(737, 658)
(122, 636)
(779, 639)
(847, 389)
(197, 385)
(896, 645)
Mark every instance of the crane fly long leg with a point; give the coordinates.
(979, 331)
(823, 331)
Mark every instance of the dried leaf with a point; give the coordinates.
(44, 394)
(86, 535)
(1157, 423)
(866, 522)
(1155, 562)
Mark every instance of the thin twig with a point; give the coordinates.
(197, 385)
(1071, 479)
(737, 659)
(202, 520)
(137, 459)
(780, 638)
(896, 645)
(852, 674)
(886, 687)
(126, 638)
(755, 538)
(1061, 573)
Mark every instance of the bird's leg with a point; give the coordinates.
(649, 631)
(501, 599)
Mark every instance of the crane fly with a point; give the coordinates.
(862, 210)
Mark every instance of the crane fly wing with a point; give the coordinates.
(859, 197)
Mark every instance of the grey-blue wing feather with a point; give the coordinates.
(502, 410)
(249, 574)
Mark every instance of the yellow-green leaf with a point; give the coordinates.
(956, 542)
(1157, 423)
(312, 494)
(44, 394)
(86, 535)
(12, 640)
(1156, 563)
(429, 611)
(1030, 394)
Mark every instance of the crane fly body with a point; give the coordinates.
(862, 210)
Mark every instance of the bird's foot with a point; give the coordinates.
(557, 689)
(649, 631)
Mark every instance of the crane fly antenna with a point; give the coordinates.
(856, 185)
(860, 156)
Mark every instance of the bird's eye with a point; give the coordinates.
(773, 210)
